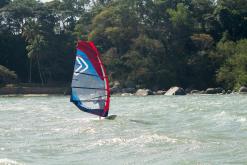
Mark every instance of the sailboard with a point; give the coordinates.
(90, 86)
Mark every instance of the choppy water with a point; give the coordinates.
(195, 129)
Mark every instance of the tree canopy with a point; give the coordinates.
(144, 43)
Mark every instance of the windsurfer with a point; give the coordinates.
(89, 83)
(101, 102)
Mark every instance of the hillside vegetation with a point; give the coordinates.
(144, 43)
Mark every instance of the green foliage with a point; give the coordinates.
(232, 18)
(7, 76)
(141, 60)
(233, 73)
(180, 16)
(114, 27)
(145, 43)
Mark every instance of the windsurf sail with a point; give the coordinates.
(90, 87)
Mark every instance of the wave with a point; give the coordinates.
(143, 139)
(7, 161)
(224, 116)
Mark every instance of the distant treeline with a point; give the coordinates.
(144, 43)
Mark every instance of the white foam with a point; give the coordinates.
(7, 161)
(90, 130)
(143, 139)
(223, 116)
(241, 119)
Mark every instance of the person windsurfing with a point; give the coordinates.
(90, 90)
(101, 103)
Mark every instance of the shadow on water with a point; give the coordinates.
(115, 117)
(141, 122)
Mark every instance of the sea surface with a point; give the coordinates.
(193, 129)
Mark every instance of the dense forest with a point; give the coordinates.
(144, 43)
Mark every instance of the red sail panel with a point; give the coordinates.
(106, 78)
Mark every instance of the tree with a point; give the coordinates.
(202, 12)
(232, 18)
(3, 3)
(233, 73)
(7, 76)
(36, 49)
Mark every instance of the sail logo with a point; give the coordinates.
(81, 63)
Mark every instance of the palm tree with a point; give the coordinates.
(36, 45)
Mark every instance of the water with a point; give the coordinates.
(189, 130)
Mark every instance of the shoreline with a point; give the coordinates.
(38, 90)
(34, 91)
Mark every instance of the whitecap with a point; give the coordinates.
(241, 119)
(221, 114)
(7, 161)
(143, 139)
